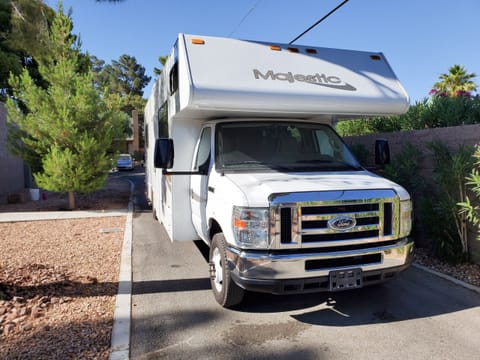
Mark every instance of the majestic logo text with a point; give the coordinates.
(316, 79)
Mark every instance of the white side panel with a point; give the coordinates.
(185, 135)
(165, 212)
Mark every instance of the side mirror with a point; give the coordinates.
(163, 154)
(382, 152)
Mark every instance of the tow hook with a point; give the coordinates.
(212, 270)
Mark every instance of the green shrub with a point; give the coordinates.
(448, 228)
(437, 111)
(404, 170)
(470, 208)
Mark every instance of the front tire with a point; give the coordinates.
(226, 291)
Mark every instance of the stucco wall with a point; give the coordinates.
(450, 136)
(11, 168)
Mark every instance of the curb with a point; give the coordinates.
(58, 215)
(120, 342)
(448, 277)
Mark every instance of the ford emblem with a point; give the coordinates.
(342, 223)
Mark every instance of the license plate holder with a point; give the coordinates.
(345, 279)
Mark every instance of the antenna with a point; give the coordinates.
(319, 21)
(243, 19)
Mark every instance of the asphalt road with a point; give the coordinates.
(175, 316)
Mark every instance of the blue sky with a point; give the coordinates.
(420, 38)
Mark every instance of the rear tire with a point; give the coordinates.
(226, 291)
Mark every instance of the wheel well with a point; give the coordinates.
(214, 229)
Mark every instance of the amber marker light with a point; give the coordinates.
(311, 51)
(275, 47)
(375, 57)
(240, 224)
(198, 41)
(293, 50)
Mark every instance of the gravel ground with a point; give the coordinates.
(58, 279)
(469, 273)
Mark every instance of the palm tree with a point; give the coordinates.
(456, 82)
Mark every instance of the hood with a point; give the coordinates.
(257, 187)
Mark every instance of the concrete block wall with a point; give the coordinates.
(450, 136)
(11, 167)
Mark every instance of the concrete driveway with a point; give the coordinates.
(175, 316)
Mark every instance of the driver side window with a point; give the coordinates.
(202, 160)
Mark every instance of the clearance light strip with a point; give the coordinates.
(292, 49)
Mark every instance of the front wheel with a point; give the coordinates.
(226, 291)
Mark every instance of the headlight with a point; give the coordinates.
(250, 227)
(405, 218)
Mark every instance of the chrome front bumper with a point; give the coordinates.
(294, 272)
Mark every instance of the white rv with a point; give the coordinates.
(259, 174)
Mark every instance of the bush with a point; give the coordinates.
(404, 170)
(437, 111)
(447, 224)
(470, 208)
(435, 203)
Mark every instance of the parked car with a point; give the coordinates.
(125, 162)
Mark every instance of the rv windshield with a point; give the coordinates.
(282, 146)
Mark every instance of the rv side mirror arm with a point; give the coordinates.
(166, 172)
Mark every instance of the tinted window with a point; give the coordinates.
(202, 160)
(163, 121)
(286, 146)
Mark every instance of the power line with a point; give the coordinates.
(319, 21)
(245, 17)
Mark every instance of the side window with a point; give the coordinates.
(202, 160)
(174, 78)
(163, 121)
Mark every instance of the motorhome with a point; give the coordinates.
(241, 153)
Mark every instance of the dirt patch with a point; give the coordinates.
(114, 195)
(59, 278)
(58, 282)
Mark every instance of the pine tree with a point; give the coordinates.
(69, 126)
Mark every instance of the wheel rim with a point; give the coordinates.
(217, 262)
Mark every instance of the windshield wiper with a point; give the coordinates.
(333, 163)
(260, 164)
(243, 162)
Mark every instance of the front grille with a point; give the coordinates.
(342, 262)
(311, 222)
(315, 219)
(286, 225)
